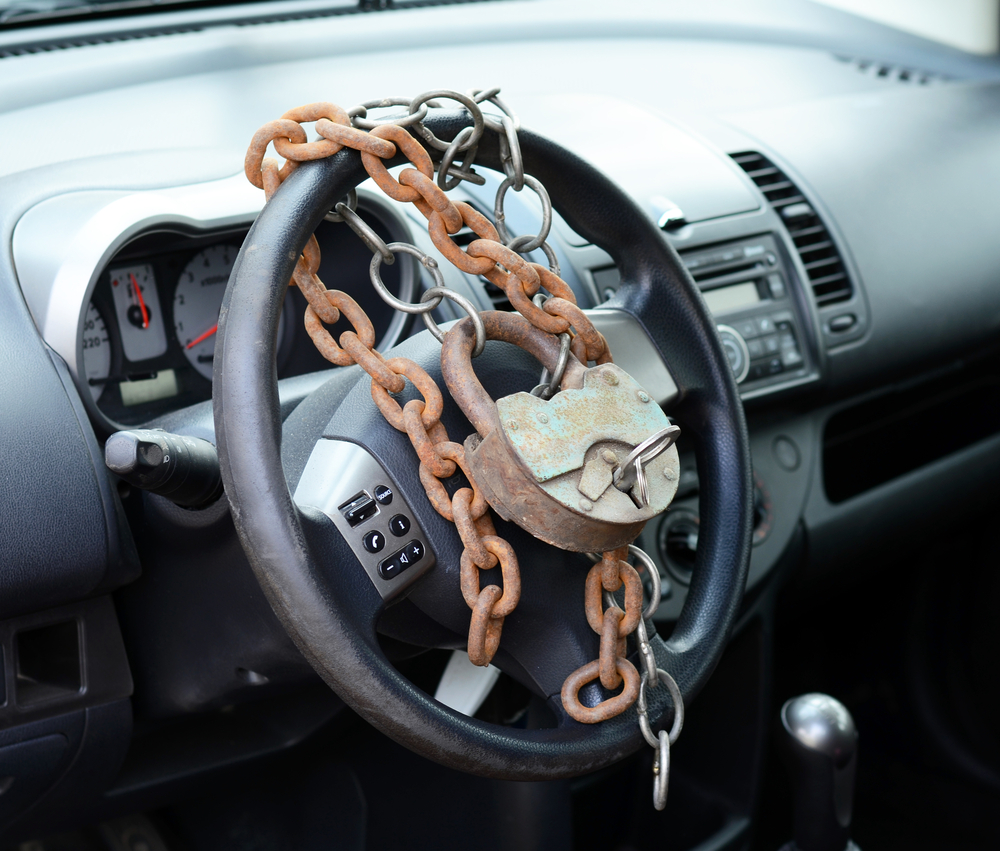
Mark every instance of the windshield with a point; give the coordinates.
(14, 13)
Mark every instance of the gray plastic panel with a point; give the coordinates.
(890, 169)
(337, 471)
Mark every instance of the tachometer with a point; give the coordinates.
(197, 302)
(96, 347)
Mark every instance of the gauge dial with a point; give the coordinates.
(96, 348)
(137, 305)
(197, 302)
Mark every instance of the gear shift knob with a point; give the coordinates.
(821, 750)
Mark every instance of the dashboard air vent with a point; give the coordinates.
(894, 73)
(813, 242)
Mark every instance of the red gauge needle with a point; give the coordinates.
(204, 336)
(142, 303)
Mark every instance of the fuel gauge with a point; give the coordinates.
(137, 306)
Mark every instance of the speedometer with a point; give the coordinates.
(197, 302)
(96, 351)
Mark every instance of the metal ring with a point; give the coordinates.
(654, 573)
(642, 455)
(510, 153)
(548, 250)
(651, 567)
(466, 305)
(374, 242)
(550, 384)
(478, 125)
(352, 202)
(661, 772)
(457, 175)
(550, 253)
(359, 114)
(648, 659)
(479, 95)
(498, 213)
(675, 695)
(492, 96)
(428, 262)
(654, 445)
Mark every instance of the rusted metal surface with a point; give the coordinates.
(456, 362)
(342, 304)
(515, 495)
(606, 709)
(533, 454)
(613, 625)
(492, 465)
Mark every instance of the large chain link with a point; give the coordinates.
(497, 257)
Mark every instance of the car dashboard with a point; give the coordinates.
(824, 181)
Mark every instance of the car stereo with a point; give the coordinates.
(746, 287)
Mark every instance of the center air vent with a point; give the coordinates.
(819, 255)
(894, 73)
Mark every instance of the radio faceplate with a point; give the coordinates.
(747, 287)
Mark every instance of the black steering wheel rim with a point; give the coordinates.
(319, 608)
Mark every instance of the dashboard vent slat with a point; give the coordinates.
(895, 73)
(819, 255)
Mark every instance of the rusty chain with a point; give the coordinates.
(496, 256)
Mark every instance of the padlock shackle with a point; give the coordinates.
(459, 375)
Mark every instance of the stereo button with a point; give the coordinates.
(777, 286)
(791, 357)
(842, 323)
(736, 351)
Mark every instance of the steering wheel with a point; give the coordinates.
(319, 590)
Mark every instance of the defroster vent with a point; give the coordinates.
(820, 257)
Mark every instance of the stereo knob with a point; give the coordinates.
(736, 350)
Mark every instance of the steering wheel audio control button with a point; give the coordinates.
(399, 525)
(359, 508)
(374, 541)
(391, 567)
(339, 480)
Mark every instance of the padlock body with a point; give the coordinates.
(547, 465)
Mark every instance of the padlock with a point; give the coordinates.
(583, 471)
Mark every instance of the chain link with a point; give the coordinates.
(428, 262)
(494, 255)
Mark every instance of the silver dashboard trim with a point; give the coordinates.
(61, 246)
(635, 352)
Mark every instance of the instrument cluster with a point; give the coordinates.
(150, 327)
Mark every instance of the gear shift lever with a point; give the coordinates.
(821, 748)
